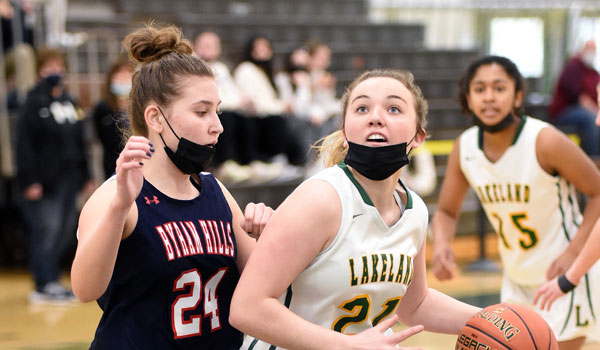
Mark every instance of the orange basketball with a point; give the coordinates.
(506, 326)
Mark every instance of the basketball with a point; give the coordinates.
(506, 326)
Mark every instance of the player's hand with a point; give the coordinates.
(443, 263)
(560, 265)
(374, 338)
(256, 217)
(547, 293)
(130, 177)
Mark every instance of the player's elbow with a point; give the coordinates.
(239, 313)
(236, 317)
(84, 291)
(84, 295)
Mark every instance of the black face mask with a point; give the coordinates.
(377, 163)
(190, 157)
(53, 80)
(501, 125)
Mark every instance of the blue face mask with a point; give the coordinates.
(120, 90)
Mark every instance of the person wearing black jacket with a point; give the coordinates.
(52, 168)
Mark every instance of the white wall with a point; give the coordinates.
(444, 28)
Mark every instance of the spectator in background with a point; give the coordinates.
(293, 82)
(233, 148)
(17, 48)
(294, 87)
(255, 78)
(207, 45)
(574, 100)
(326, 105)
(51, 170)
(108, 113)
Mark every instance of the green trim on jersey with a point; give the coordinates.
(517, 134)
(589, 296)
(519, 129)
(363, 193)
(408, 197)
(589, 299)
(361, 190)
(562, 213)
(571, 202)
(570, 311)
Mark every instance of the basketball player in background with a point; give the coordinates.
(345, 252)
(525, 173)
(161, 245)
(589, 255)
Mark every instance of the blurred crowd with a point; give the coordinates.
(272, 116)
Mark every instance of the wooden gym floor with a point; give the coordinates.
(26, 326)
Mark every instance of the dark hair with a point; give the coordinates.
(45, 55)
(265, 66)
(289, 66)
(162, 56)
(508, 65)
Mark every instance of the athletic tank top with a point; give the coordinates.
(174, 276)
(361, 277)
(534, 213)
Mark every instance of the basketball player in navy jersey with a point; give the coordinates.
(525, 174)
(161, 244)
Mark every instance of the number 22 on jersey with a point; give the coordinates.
(192, 281)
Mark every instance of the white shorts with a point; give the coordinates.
(571, 316)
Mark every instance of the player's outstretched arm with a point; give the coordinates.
(443, 225)
(436, 311)
(107, 217)
(589, 255)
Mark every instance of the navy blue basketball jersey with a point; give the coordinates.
(174, 276)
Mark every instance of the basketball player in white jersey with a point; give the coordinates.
(345, 253)
(589, 255)
(525, 173)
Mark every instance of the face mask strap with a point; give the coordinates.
(173, 131)
(411, 140)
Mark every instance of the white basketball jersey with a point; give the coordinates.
(534, 213)
(361, 277)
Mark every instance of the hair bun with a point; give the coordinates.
(151, 43)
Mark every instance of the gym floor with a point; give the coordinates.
(26, 326)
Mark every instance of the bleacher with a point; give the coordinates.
(342, 24)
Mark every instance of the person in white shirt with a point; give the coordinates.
(235, 150)
(255, 77)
